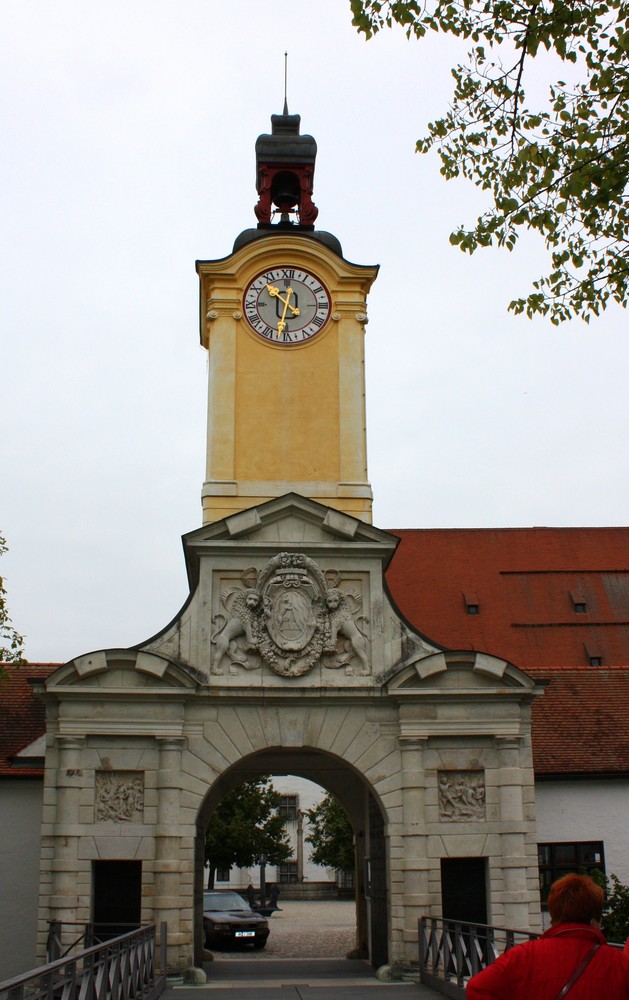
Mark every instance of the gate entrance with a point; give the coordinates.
(365, 815)
(289, 658)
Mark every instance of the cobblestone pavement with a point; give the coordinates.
(304, 960)
(305, 929)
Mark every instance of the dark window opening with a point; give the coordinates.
(345, 880)
(287, 872)
(556, 860)
(117, 897)
(222, 874)
(464, 890)
(288, 807)
(472, 603)
(579, 604)
(593, 654)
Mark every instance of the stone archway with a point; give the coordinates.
(429, 749)
(366, 814)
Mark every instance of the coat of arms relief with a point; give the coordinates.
(290, 616)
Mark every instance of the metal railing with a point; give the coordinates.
(123, 968)
(65, 937)
(450, 953)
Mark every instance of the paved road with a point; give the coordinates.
(305, 929)
(299, 979)
(304, 960)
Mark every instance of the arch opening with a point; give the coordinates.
(366, 816)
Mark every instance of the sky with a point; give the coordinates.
(128, 153)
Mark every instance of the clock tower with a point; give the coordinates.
(283, 320)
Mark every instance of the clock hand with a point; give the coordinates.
(281, 326)
(275, 293)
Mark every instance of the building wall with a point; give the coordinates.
(308, 795)
(573, 811)
(20, 839)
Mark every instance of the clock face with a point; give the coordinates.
(287, 305)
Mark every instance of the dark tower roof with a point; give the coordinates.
(285, 144)
(285, 165)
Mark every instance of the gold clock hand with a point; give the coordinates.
(281, 326)
(275, 293)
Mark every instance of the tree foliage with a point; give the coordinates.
(616, 911)
(11, 642)
(331, 835)
(246, 825)
(558, 166)
(615, 923)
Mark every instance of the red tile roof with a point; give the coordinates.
(22, 716)
(526, 582)
(581, 724)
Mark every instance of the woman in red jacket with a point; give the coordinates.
(571, 957)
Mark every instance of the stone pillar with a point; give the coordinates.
(409, 886)
(168, 864)
(514, 861)
(65, 898)
(300, 845)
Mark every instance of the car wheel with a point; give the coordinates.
(258, 945)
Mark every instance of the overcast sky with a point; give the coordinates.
(128, 132)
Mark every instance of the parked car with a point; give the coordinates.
(229, 920)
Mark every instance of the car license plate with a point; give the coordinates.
(245, 933)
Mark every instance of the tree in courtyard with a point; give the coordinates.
(244, 826)
(11, 642)
(615, 922)
(558, 165)
(331, 835)
(616, 911)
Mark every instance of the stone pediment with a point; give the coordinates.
(287, 592)
(290, 520)
(458, 672)
(122, 671)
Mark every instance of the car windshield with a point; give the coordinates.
(223, 901)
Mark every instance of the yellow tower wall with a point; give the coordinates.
(285, 418)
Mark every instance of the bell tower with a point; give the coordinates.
(283, 320)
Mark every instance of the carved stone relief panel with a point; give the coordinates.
(461, 795)
(119, 797)
(290, 616)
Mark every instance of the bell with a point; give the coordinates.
(285, 191)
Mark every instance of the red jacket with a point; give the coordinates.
(539, 969)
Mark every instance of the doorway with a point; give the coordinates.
(464, 890)
(116, 897)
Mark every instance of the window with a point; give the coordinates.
(556, 860)
(222, 874)
(579, 605)
(471, 603)
(345, 880)
(288, 807)
(287, 872)
(593, 654)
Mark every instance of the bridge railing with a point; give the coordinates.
(450, 952)
(65, 937)
(123, 968)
